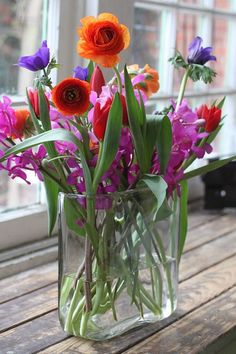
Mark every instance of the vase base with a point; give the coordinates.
(116, 328)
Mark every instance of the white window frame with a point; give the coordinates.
(29, 224)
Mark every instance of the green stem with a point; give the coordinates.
(182, 88)
(118, 79)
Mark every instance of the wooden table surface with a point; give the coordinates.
(205, 321)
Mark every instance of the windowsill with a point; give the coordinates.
(23, 226)
(28, 256)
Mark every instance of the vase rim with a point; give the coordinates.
(112, 195)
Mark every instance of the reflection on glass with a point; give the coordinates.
(20, 34)
(220, 32)
(146, 37)
(223, 4)
(21, 31)
(187, 29)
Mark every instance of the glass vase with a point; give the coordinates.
(117, 262)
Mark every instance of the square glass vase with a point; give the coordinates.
(117, 262)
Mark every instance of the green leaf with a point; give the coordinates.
(151, 134)
(183, 217)
(90, 68)
(135, 122)
(164, 143)
(110, 144)
(52, 191)
(221, 103)
(158, 187)
(51, 135)
(210, 167)
(43, 109)
(213, 134)
(159, 134)
(164, 212)
(35, 119)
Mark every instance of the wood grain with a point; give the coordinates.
(200, 217)
(207, 255)
(32, 336)
(27, 307)
(209, 231)
(203, 327)
(27, 281)
(207, 271)
(193, 293)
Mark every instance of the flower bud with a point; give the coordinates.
(97, 80)
(34, 100)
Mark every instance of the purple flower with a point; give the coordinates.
(7, 117)
(37, 61)
(80, 73)
(198, 54)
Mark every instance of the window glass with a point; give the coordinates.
(220, 37)
(187, 25)
(146, 37)
(22, 27)
(21, 31)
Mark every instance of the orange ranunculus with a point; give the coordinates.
(71, 96)
(22, 116)
(150, 83)
(102, 39)
(151, 80)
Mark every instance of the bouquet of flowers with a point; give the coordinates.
(93, 141)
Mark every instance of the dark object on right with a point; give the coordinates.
(220, 187)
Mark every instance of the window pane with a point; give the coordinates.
(187, 29)
(146, 37)
(21, 28)
(16, 194)
(220, 31)
(192, 2)
(223, 4)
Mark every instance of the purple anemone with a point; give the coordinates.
(37, 61)
(198, 54)
(80, 73)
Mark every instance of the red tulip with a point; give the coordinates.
(100, 116)
(211, 115)
(97, 80)
(34, 100)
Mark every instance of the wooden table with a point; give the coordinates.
(205, 321)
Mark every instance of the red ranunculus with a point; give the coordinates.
(71, 96)
(100, 116)
(211, 115)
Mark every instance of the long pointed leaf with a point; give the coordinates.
(43, 109)
(164, 143)
(210, 167)
(111, 140)
(35, 120)
(51, 135)
(135, 122)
